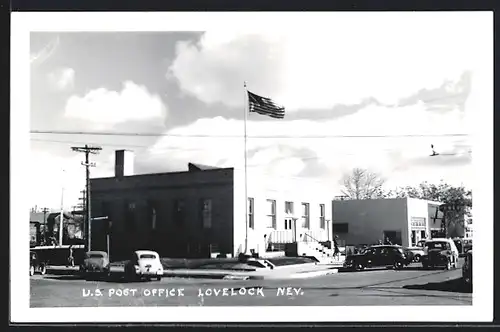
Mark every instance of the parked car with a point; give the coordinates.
(417, 251)
(459, 244)
(421, 243)
(95, 264)
(467, 268)
(467, 245)
(379, 256)
(440, 252)
(144, 264)
(37, 265)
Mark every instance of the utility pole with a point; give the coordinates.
(88, 150)
(81, 208)
(61, 216)
(44, 237)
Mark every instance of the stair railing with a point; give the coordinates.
(308, 235)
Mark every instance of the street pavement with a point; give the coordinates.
(411, 286)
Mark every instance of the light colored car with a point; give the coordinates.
(440, 252)
(144, 264)
(418, 250)
(417, 253)
(95, 264)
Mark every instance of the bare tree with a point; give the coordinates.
(363, 184)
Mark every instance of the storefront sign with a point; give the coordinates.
(417, 222)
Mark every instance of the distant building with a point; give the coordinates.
(403, 221)
(201, 211)
(468, 227)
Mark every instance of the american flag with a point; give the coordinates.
(265, 106)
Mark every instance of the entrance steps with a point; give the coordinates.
(323, 254)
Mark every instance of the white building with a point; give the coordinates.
(468, 227)
(280, 211)
(403, 221)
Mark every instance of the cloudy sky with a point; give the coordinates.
(364, 94)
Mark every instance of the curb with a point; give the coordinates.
(303, 275)
(225, 275)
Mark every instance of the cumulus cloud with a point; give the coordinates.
(318, 68)
(62, 79)
(305, 148)
(104, 108)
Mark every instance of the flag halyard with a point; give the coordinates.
(265, 106)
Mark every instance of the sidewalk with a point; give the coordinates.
(281, 272)
(61, 269)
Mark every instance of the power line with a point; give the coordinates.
(94, 133)
(114, 145)
(204, 149)
(80, 142)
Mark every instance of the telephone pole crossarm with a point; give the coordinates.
(87, 150)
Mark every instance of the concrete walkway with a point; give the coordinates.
(296, 271)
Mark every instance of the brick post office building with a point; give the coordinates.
(197, 212)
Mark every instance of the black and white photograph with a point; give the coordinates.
(252, 166)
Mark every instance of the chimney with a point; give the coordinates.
(124, 163)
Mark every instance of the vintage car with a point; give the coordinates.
(36, 265)
(467, 245)
(379, 256)
(418, 251)
(440, 252)
(144, 264)
(467, 268)
(95, 264)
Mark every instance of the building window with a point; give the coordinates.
(271, 213)
(340, 228)
(206, 210)
(322, 216)
(305, 215)
(394, 237)
(152, 214)
(178, 212)
(251, 223)
(289, 208)
(130, 216)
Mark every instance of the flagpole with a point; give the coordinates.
(245, 140)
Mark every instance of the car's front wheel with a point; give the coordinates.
(32, 270)
(359, 267)
(43, 269)
(448, 265)
(417, 258)
(398, 265)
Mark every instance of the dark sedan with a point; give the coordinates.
(379, 256)
(95, 264)
(36, 265)
(467, 268)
